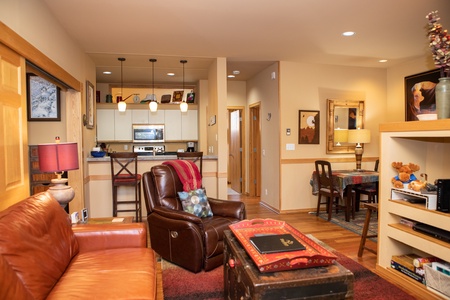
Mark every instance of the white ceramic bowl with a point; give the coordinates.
(424, 117)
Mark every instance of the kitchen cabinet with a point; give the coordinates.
(172, 125)
(105, 124)
(139, 116)
(122, 125)
(189, 125)
(426, 143)
(157, 117)
(113, 125)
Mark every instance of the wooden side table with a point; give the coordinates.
(107, 220)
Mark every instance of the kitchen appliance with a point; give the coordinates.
(149, 150)
(148, 133)
(190, 147)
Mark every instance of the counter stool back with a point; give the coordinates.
(124, 166)
(194, 156)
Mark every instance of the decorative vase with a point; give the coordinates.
(443, 98)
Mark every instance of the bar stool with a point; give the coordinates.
(371, 207)
(124, 173)
(194, 156)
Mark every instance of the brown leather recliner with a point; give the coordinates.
(182, 238)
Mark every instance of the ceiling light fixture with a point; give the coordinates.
(348, 33)
(231, 76)
(236, 72)
(183, 104)
(121, 104)
(383, 60)
(170, 74)
(153, 103)
(107, 72)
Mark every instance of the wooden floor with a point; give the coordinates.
(344, 241)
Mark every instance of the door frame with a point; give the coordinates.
(242, 142)
(255, 150)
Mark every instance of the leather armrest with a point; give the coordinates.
(92, 237)
(227, 208)
(177, 215)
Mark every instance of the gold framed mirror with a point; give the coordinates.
(343, 114)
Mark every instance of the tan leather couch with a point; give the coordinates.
(41, 257)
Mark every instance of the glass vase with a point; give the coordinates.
(443, 98)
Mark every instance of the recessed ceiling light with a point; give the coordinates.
(170, 74)
(383, 60)
(236, 72)
(231, 76)
(348, 33)
(107, 72)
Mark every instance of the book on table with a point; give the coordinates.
(273, 243)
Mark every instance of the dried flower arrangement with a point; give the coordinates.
(439, 43)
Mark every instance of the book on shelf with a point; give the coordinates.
(407, 272)
(406, 260)
(407, 222)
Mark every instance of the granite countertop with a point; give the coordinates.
(148, 158)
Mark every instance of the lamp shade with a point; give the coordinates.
(183, 107)
(359, 136)
(153, 106)
(58, 157)
(122, 106)
(340, 135)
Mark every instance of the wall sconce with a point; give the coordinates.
(121, 104)
(59, 158)
(340, 136)
(183, 104)
(358, 137)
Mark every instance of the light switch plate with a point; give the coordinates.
(290, 147)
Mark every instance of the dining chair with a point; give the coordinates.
(194, 156)
(328, 189)
(124, 166)
(370, 189)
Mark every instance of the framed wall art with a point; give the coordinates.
(419, 94)
(43, 99)
(309, 127)
(89, 105)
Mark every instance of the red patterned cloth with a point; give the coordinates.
(188, 173)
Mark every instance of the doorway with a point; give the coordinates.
(235, 149)
(255, 151)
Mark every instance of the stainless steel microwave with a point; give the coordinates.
(148, 133)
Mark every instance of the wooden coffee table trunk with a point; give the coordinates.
(244, 281)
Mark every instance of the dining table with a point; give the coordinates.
(345, 180)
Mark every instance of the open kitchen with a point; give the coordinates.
(154, 136)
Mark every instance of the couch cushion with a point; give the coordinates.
(37, 242)
(127, 273)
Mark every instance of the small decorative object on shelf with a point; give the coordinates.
(440, 47)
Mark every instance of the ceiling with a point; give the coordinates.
(251, 34)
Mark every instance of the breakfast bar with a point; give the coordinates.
(99, 190)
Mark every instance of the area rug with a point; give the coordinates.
(179, 284)
(355, 225)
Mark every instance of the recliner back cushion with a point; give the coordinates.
(167, 185)
(37, 242)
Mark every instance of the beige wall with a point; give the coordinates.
(33, 21)
(307, 87)
(264, 90)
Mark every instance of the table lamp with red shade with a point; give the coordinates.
(59, 158)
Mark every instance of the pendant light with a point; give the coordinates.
(153, 105)
(183, 104)
(122, 105)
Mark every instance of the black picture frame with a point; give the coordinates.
(308, 127)
(412, 108)
(43, 99)
(90, 105)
